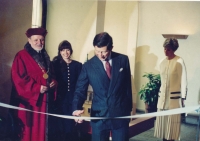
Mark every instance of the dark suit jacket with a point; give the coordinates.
(111, 98)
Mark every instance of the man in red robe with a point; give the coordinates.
(32, 80)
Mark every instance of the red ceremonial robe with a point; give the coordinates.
(27, 77)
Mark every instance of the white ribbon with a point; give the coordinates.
(161, 113)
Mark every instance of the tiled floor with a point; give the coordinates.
(188, 131)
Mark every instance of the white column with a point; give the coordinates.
(37, 13)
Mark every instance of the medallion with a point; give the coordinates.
(45, 76)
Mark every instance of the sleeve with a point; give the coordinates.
(161, 68)
(53, 91)
(56, 69)
(160, 64)
(52, 71)
(79, 68)
(80, 93)
(129, 86)
(25, 86)
(183, 78)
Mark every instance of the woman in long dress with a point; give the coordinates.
(67, 72)
(172, 93)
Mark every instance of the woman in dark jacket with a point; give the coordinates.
(67, 72)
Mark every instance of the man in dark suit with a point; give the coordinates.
(109, 75)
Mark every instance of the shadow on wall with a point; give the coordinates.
(144, 62)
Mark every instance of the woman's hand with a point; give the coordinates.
(53, 84)
(183, 103)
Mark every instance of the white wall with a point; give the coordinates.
(79, 21)
(157, 18)
(121, 21)
(74, 21)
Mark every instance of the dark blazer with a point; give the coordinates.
(111, 98)
(66, 76)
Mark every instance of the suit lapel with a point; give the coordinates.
(99, 68)
(115, 71)
(100, 71)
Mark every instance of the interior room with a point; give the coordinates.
(137, 29)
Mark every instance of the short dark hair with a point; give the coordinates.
(171, 43)
(103, 39)
(65, 45)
